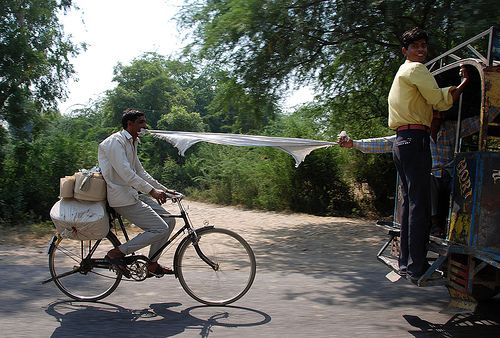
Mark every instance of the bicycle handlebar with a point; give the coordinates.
(175, 197)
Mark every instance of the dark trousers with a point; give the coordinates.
(412, 158)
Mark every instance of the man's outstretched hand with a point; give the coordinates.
(344, 140)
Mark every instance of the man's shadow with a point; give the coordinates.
(484, 323)
(100, 319)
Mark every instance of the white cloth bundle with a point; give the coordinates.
(81, 220)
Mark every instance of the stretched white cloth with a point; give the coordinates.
(297, 147)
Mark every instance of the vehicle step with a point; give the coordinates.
(389, 226)
(390, 262)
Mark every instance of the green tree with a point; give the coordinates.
(181, 120)
(34, 57)
(30, 171)
(151, 83)
(350, 49)
(236, 109)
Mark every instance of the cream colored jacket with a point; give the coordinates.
(121, 168)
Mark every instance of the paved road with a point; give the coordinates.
(317, 277)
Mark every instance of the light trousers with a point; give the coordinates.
(150, 216)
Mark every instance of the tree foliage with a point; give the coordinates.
(246, 53)
(350, 49)
(34, 55)
(160, 86)
(30, 170)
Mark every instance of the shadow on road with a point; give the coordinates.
(101, 319)
(484, 323)
(341, 254)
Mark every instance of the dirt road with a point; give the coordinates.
(317, 277)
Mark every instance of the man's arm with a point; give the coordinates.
(376, 145)
(471, 125)
(159, 191)
(440, 98)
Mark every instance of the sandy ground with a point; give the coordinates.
(316, 277)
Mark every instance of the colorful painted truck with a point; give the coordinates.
(469, 254)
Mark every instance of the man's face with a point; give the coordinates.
(416, 51)
(135, 126)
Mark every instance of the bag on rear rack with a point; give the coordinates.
(80, 220)
(89, 185)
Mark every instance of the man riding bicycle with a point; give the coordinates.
(132, 192)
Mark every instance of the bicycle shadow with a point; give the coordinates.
(102, 319)
(485, 322)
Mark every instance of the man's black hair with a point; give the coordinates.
(413, 35)
(130, 115)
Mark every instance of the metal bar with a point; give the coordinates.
(62, 275)
(479, 55)
(122, 226)
(386, 245)
(490, 46)
(480, 267)
(459, 125)
(480, 35)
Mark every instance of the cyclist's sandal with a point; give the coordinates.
(156, 270)
(117, 260)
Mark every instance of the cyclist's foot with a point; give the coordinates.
(156, 270)
(116, 258)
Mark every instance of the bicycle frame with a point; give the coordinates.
(100, 262)
(187, 226)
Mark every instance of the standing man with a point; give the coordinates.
(413, 96)
(134, 194)
(442, 145)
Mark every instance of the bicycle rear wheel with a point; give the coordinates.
(230, 278)
(82, 276)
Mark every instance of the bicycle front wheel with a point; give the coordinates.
(80, 275)
(231, 274)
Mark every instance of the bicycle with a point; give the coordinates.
(214, 266)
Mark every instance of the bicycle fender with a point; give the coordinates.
(51, 245)
(181, 244)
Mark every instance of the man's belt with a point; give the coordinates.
(413, 127)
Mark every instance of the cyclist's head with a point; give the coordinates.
(130, 115)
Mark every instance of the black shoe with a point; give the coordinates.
(434, 276)
(437, 231)
(402, 271)
(117, 260)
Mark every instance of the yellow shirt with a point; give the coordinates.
(414, 95)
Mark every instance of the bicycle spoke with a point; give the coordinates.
(87, 281)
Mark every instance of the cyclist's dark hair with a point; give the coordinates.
(413, 35)
(130, 114)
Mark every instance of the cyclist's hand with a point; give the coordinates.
(159, 195)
